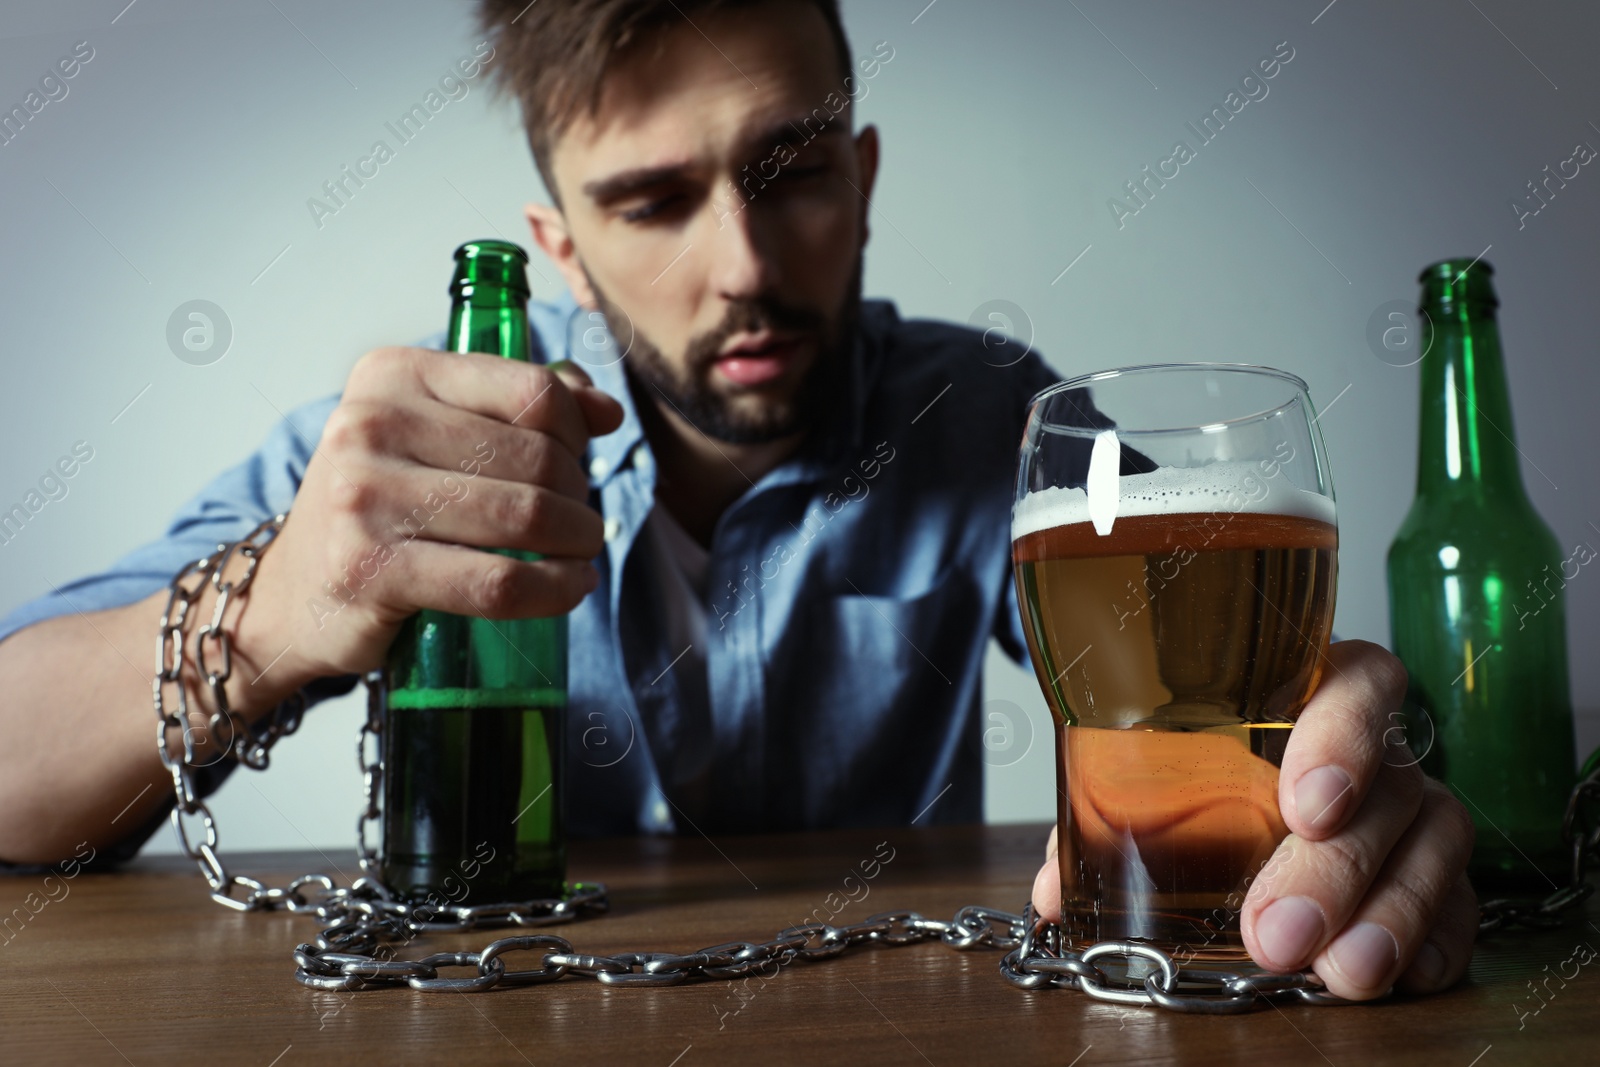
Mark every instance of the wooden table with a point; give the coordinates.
(140, 967)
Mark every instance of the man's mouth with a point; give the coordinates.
(756, 359)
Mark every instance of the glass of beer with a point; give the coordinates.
(1174, 547)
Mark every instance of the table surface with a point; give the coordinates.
(140, 967)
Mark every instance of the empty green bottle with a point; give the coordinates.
(1475, 595)
(474, 734)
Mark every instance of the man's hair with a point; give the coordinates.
(553, 55)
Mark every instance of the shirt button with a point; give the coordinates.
(611, 529)
(598, 468)
(642, 460)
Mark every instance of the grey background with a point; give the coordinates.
(179, 164)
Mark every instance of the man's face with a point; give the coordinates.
(719, 220)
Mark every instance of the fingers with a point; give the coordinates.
(485, 512)
(433, 445)
(1419, 918)
(1047, 884)
(1311, 888)
(429, 458)
(452, 441)
(1348, 731)
(569, 372)
(1442, 958)
(523, 394)
(1366, 886)
(465, 581)
(603, 412)
(1369, 887)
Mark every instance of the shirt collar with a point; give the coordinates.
(574, 333)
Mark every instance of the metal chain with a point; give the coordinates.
(1151, 977)
(355, 950)
(371, 771)
(353, 915)
(1035, 960)
(362, 923)
(326, 964)
(225, 733)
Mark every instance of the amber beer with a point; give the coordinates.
(1176, 650)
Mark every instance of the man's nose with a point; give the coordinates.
(743, 261)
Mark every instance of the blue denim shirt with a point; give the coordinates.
(852, 594)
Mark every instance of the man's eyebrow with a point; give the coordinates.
(785, 131)
(793, 132)
(615, 186)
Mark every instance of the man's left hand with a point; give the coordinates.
(1370, 888)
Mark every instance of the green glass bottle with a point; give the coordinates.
(474, 736)
(1476, 618)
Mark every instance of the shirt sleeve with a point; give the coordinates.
(1037, 376)
(1034, 375)
(1008, 627)
(225, 510)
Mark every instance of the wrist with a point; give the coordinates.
(271, 661)
(245, 644)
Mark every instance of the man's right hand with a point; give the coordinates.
(387, 506)
(429, 458)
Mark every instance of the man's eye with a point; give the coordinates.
(805, 172)
(648, 211)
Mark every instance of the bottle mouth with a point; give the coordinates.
(489, 265)
(474, 249)
(1451, 269)
(1458, 281)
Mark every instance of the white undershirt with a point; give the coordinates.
(680, 567)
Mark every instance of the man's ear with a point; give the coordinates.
(867, 149)
(550, 233)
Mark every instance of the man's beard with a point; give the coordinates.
(691, 394)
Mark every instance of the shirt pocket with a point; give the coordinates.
(904, 636)
(867, 702)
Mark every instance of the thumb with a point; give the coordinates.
(570, 373)
(1047, 884)
(600, 410)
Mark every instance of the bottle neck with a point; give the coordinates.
(1468, 443)
(490, 318)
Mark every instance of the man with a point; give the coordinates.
(796, 505)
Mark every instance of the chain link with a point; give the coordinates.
(370, 734)
(362, 923)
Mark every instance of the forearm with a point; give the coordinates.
(80, 761)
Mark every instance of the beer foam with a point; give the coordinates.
(1236, 488)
